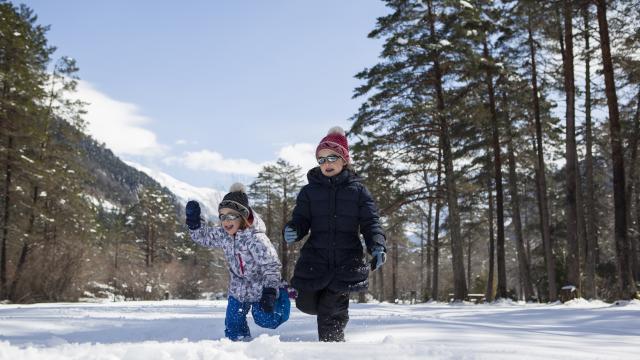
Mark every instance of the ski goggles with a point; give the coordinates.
(229, 216)
(330, 159)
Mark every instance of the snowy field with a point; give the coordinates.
(181, 329)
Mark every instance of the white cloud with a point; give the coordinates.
(118, 124)
(303, 155)
(207, 160)
(183, 142)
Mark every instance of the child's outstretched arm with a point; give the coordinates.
(203, 235)
(370, 226)
(301, 217)
(208, 236)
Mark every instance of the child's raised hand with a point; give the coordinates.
(192, 210)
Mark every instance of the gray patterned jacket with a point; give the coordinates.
(252, 260)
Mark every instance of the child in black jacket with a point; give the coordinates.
(335, 206)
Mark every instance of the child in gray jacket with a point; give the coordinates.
(254, 267)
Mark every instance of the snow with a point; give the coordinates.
(106, 205)
(194, 329)
(27, 159)
(466, 4)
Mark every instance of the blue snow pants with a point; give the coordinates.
(235, 322)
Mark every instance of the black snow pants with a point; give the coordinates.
(331, 308)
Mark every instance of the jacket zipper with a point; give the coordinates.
(241, 264)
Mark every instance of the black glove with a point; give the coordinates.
(268, 299)
(193, 215)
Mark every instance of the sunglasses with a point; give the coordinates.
(330, 158)
(230, 217)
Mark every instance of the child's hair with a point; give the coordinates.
(350, 167)
(244, 223)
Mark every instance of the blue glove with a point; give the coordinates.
(379, 257)
(290, 234)
(193, 215)
(268, 299)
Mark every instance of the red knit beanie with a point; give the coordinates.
(336, 141)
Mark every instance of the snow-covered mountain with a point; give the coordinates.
(207, 197)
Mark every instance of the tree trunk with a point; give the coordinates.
(429, 246)
(589, 287)
(523, 262)
(147, 256)
(489, 293)
(526, 221)
(457, 252)
(285, 246)
(631, 187)
(269, 219)
(469, 284)
(26, 247)
(573, 259)
(24, 251)
(625, 278)
(543, 203)
(394, 268)
(5, 221)
(422, 248)
(436, 231)
(637, 271)
(497, 163)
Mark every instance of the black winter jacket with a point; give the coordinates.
(335, 209)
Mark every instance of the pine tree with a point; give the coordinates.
(24, 54)
(589, 286)
(274, 192)
(627, 288)
(573, 262)
(407, 102)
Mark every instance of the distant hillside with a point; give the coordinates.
(113, 179)
(116, 181)
(208, 198)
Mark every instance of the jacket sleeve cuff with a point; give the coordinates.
(378, 240)
(272, 282)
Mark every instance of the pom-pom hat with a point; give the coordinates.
(336, 141)
(237, 200)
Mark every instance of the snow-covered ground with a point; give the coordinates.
(182, 329)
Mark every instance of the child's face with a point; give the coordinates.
(230, 226)
(330, 168)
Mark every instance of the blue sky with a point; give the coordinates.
(208, 91)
